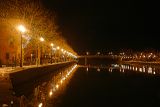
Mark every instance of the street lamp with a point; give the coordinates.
(22, 29)
(51, 51)
(58, 47)
(42, 40)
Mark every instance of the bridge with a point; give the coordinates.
(99, 56)
(86, 57)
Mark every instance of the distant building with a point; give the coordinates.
(9, 46)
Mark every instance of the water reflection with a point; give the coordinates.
(140, 68)
(48, 91)
(98, 69)
(87, 69)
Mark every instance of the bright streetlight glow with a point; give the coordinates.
(57, 86)
(41, 39)
(52, 44)
(58, 47)
(21, 28)
(50, 93)
(40, 105)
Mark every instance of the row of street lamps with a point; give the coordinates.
(22, 30)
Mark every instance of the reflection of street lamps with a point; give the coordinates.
(22, 29)
(41, 39)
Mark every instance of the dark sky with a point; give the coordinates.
(96, 25)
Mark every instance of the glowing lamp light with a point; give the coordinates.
(40, 105)
(61, 81)
(41, 39)
(50, 93)
(21, 28)
(52, 44)
(57, 86)
(58, 47)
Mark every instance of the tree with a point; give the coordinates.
(38, 21)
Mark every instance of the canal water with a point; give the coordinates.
(112, 85)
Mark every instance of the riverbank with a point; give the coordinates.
(18, 75)
(141, 62)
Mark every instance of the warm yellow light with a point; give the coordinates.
(52, 44)
(41, 39)
(61, 81)
(62, 50)
(21, 28)
(57, 86)
(50, 93)
(58, 47)
(40, 105)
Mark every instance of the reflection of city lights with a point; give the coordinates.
(149, 70)
(143, 69)
(110, 70)
(40, 105)
(128, 67)
(125, 66)
(140, 69)
(122, 66)
(87, 69)
(98, 69)
(66, 73)
(136, 68)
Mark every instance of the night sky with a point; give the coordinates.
(90, 25)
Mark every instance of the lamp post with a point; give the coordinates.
(22, 29)
(58, 48)
(51, 51)
(41, 39)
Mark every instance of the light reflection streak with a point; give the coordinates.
(140, 69)
(40, 105)
(53, 87)
(98, 69)
(149, 70)
(87, 68)
(144, 69)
